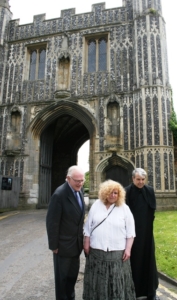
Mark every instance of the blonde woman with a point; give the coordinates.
(109, 232)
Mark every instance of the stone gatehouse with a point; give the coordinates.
(100, 76)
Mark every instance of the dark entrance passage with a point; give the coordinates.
(118, 169)
(70, 134)
(59, 145)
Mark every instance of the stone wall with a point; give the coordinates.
(124, 109)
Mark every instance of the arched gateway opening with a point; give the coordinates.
(67, 127)
(117, 168)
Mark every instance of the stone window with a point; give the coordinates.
(96, 54)
(37, 59)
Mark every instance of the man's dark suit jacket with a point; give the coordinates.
(64, 222)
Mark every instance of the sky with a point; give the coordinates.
(25, 10)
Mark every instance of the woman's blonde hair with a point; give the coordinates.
(106, 189)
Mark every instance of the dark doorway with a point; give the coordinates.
(119, 174)
(59, 145)
(118, 169)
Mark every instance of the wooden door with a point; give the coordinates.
(46, 148)
(118, 173)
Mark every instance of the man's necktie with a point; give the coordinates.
(78, 199)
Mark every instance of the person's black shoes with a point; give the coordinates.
(153, 298)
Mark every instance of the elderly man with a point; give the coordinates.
(141, 200)
(64, 222)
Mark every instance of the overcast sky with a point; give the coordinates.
(25, 10)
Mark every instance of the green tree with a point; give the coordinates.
(86, 183)
(173, 123)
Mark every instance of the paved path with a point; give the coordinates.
(26, 266)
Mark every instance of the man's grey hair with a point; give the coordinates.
(139, 171)
(74, 169)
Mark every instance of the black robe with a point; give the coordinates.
(142, 204)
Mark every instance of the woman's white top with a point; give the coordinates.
(111, 235)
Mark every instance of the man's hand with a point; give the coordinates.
(55, 251)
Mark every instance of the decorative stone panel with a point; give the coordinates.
(150, 168)
(157, 171)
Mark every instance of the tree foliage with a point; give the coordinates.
(86, 183)
(173, 123)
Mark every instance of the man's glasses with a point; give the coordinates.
(78, 181)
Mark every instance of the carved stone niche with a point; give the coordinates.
(64, 71)
(63, 84)
(113, 116)
(13, 142)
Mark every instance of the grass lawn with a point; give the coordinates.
(165, 234)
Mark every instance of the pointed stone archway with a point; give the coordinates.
(116, 168)
(66, 128)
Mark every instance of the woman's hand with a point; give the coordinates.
(127, 252)
(126, 255)
(86, 244)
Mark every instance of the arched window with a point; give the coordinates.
(37, 63)
(102, 54)
(91, 56)
(33, 60)
(41, 70)
(97, 54)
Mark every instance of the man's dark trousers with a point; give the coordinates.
(66, 270)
